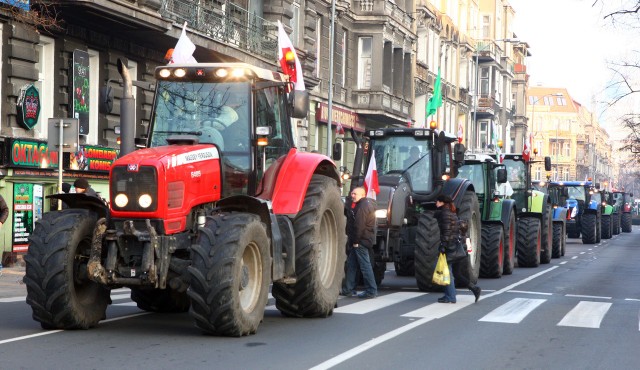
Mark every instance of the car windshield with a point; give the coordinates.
(473, 172)
(216, 113)
(406, 155)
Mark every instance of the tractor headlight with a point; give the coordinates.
(145, 200)
(121, 200)
(381, 213)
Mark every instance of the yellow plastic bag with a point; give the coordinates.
(441, 274)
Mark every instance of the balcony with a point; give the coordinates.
(486, 105)
(226, 23)
(381, 103)
(383, 8)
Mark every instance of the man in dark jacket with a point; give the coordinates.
(361, 236)
(82, 186)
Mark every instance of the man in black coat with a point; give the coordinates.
(361, 220)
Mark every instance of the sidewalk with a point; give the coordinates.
(11, 284)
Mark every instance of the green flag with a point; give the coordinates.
(436, 100)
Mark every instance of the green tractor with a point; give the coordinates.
(534, 212)
(610, 211)
(498, 214)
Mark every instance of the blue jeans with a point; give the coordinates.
(450, 290)
(360, 256)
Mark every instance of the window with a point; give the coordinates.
(295, 23)
(561, 101)
(539, 147)
(364, 62)
(566, 149)
(45, 83)
(548, 100)
(94, 96)
(486, 27)
(484, 81)
(538, 173)
(532, 100)
(483, 134)
(318, 45)
(343, 70)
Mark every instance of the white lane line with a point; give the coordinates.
(440, 310)
(574, 257)
(513, 311)
(527, 292)
(121, 296)
(13, 299)
(563, 262)
(126, 304)
(586, 315)
(344, 356)
(583, 252)
(586, 296)
(589, 249)
(632, 299)
(368, 305)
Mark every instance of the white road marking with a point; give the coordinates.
(632, 299)
(440, 310)
(563, 262)
(513, 311)
(368, 305)
(13, 299)
(586, 296)
(527, 292)
(120, 296)
(574, 257)
(126, 304)
(583, 252)
(586, 315)
(344, 356)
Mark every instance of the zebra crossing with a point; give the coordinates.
(588, 312)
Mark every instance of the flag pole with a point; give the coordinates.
(330, 103)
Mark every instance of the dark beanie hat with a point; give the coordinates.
(444, 198)
(81, 183)
(66, 187)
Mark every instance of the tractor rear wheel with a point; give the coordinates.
(469, 210)
(626, 222)
(160, 300)
(616, 223)
(589, 228)
(546, 234)
(427, 251)
(528, 242)
(606, 227)
(492, 251)
(230, 274)
(510, 246)
(320, 240)
(58, 288)
(405, 267)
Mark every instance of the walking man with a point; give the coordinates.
(360, 234)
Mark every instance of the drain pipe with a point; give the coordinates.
(127, 112)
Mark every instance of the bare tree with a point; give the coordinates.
(39, 14)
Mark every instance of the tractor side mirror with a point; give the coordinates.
(501, 175)
(458, 152)
(337, 151)
(547, 164)
(299, 103)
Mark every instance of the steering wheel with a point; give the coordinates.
(212, 136)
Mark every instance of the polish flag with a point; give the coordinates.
(526, 152)
(284, 47)
(460, 132)
(371, 179)
(183, 52)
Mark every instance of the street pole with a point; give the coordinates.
(330, 103)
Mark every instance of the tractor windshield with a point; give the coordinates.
(216, 113)
(405, 155)
(516, 174)
(474, 173)
(576, 192)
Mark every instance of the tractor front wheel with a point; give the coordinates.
(492, 251)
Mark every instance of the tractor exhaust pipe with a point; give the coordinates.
(127, 112)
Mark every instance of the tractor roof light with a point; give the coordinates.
(222, 72)
(433, 125)
(446, 177)
(290, 57)
(263, 141)
(164, 73)
(180, 72)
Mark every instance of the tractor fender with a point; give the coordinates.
(84, 201)
(294, 177)
(559, 214)
(537, 201)
(455, 188)
(607, 210)
(508, 208)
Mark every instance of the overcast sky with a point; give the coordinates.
(570, 45)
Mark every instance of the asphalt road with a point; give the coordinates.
(580, 311)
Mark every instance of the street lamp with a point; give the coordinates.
(533, 122)
(477, 92)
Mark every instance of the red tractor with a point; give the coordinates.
(218, 205)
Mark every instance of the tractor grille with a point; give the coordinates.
(134, 184)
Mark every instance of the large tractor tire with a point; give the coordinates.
(427, 252)
(320, 239)
(469, 210)
(528, 242)
(615, 220)
(626, 222)
(230, 274)
(510, 246)
(491, 265)
(606, 227)
(589, 228)
(58, 288)
(405, 267)
(598, 228)
(547, 234)
(559, 240)
(160, 300)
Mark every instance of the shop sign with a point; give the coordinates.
(80, 94)
(93, 158)
(341, 116)
(22, 216)
(28, 153)
(29, 106)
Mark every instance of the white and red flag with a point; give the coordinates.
(460, 132)
(287, 53)
(371, 179)
(183, 52)
(526, 152)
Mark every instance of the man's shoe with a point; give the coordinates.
(365, 295)
(476, 292)
(445, 300)
(347, 294)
